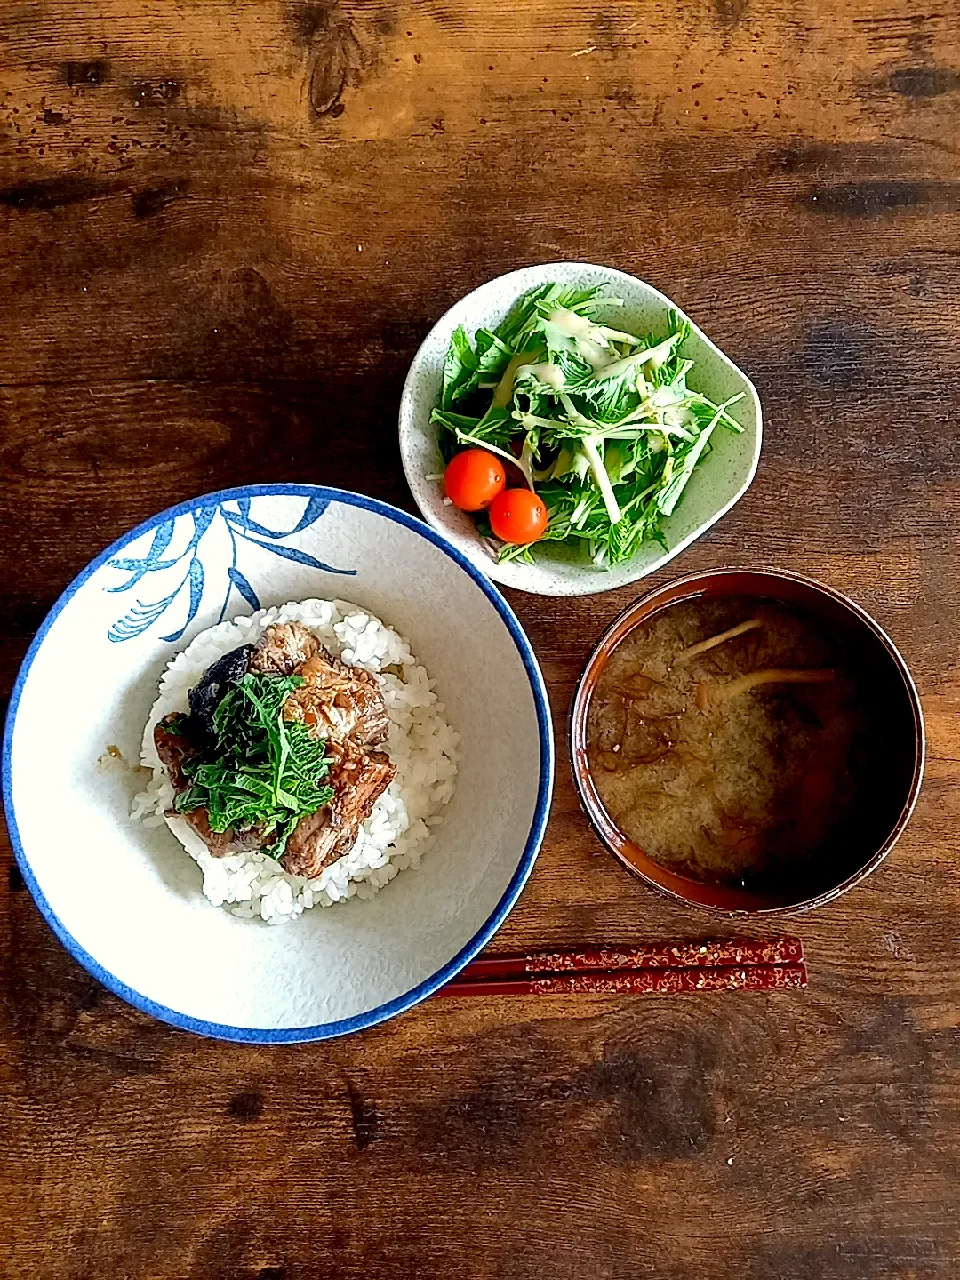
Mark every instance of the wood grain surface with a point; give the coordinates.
(225, 226)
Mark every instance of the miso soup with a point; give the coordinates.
(728, 739)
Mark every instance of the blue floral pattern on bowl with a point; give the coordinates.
(192, 575)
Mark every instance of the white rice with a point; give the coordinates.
(420, 743)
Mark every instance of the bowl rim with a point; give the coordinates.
(580, 701)
(406, 420)
(424, 989)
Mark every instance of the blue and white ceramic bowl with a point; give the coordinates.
(126, 900)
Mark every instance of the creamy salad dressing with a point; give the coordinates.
(551, 375)
(589, 338)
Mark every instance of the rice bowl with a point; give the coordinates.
(251, 883)
(126, 900)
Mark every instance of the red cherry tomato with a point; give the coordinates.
(518, 515)
(473, 479)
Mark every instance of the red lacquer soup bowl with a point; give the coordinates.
(897, 744)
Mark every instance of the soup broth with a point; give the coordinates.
(727, 739)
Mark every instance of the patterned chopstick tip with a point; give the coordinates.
(713, 954)
(674, 981)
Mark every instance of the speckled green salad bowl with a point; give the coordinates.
(721, 477)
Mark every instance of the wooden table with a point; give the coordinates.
(225, 226)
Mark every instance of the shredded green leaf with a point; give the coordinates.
(264, 772)
(601, 422)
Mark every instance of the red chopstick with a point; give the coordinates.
(682, 955)
(739, 964)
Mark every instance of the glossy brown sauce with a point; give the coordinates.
(727, 739)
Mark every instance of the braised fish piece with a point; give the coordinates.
(336, 701)
(358, 779)
(283, 648)
(174, 750)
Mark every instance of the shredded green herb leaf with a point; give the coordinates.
(264, 771)
(601, 422)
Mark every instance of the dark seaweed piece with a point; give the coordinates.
(206, 696)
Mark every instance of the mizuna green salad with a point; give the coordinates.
(600, 422)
